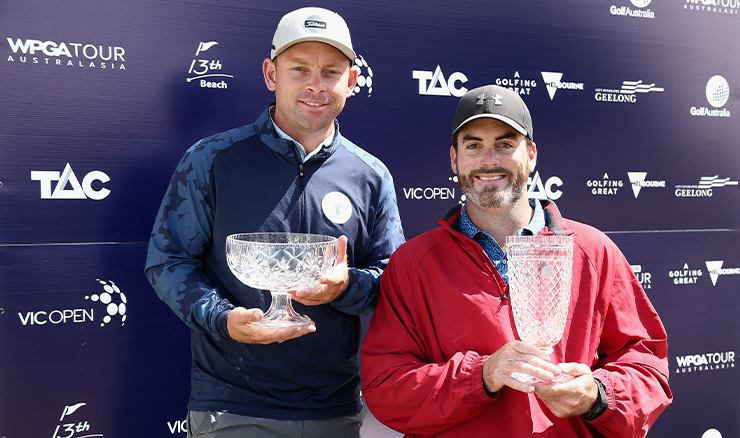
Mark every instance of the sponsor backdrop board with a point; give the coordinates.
(632, 100)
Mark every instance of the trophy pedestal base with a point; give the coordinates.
(526, 378)
(281, 313)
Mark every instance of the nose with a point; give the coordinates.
(316, 82)
(490, 157)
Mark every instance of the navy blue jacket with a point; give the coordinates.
(247, 180)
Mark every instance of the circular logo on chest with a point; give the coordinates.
(337, 207)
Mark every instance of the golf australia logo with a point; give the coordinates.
(337, 207)
(717, 93)
(626, 11)
(438, 85)
(207, 72)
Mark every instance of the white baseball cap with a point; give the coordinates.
(312, 24)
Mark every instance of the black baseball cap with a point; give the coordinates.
(493, 102)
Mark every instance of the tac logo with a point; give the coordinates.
(78, 426)
(553, 83)
(207, 68)
(550, 189)
(604, 186)
(69, 187)
(715, 269)
(66, 54)
(628, 92)
(626, 11)
(637, 180)
(717, 92)
(705, 187)
(437, 85)
(517, 84)
(365, 78)
(693, 363)
(643, 277)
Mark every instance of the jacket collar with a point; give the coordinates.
(265, 128)
(554, 222)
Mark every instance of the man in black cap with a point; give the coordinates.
(442, 347)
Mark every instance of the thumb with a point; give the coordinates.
(342, 249)
(248, 315)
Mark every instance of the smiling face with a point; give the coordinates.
(492, 162)
(311, 81)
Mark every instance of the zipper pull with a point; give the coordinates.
(504, 297)
(300, 170)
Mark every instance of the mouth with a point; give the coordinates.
(490, 178)
(313, 104)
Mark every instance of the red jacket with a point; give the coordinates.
(442, 311)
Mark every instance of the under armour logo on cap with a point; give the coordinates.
(496, 99)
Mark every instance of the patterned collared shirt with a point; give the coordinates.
(489, 244)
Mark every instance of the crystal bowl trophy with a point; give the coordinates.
(280, 262)
(540, 272)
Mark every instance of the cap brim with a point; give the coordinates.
(498, 117)
(348, 52)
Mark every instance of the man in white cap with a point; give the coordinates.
(441, 349)
(289, 171)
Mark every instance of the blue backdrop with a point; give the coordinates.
(633, 103)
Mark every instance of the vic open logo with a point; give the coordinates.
(69, 187)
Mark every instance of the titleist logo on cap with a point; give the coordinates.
(314, 24)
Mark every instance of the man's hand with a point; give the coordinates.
(241, 327)
(517, 357)
(573, 398)
(332, 284)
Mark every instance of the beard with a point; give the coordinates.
(493, 197)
